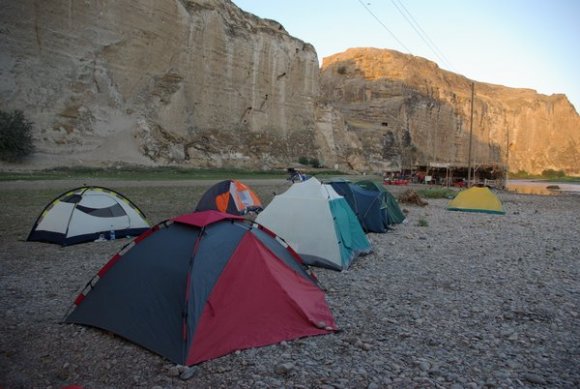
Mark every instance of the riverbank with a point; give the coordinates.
(448, 299)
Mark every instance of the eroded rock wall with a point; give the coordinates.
(407, 111)
(203, 83)
(196, 82)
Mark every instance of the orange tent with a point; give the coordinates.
(230, 196)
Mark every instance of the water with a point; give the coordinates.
(540, 187)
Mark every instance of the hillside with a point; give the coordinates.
(201, 83)
(405, 109)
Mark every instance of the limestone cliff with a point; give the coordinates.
(407, 111)
(196, 82)
(203, 83)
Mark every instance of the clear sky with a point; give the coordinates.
(518, 43)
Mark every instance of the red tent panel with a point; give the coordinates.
(250, 308)
(202, 219)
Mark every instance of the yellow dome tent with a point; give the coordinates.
(476, 199)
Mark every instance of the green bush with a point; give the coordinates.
(520, 174)
(303, 160)
(551, 173)
(15, 136)
(315, 163)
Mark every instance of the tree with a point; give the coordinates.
(15, 136)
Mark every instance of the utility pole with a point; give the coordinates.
(470, 137)
(507, 158)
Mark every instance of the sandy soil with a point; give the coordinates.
(466, 301)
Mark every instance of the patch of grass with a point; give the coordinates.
(549, 175)
(158, 201)
(148, 173)
(437, 193)
(423, 222)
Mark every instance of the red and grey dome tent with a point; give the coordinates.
(83, 214)
(203, 285)
(230, 196)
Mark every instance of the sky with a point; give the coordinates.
(531, 44)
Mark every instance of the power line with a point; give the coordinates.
(421, 32)
(384, 26)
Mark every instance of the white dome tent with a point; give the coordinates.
(84, 214)
(318, 224)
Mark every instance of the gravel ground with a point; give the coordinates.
(465, 301)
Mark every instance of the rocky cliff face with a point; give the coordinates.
(406, 111)
(205, 84)
(196, 82)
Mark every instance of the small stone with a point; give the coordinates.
(283, 368)
(173, 371)
(534, 379)
(425, 366)
(189, 372)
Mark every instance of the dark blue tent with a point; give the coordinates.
(392, 211)
(366, 204)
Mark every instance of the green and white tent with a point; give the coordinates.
(318, 224)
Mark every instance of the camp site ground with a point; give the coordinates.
(447, 299)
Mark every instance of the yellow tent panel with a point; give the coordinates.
(476, 199)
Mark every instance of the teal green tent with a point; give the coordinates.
(394, 215)
(366, 204)
(318, 224)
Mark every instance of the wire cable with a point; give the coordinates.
(421, 32)
(384, 26)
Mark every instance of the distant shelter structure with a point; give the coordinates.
(454, 174)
